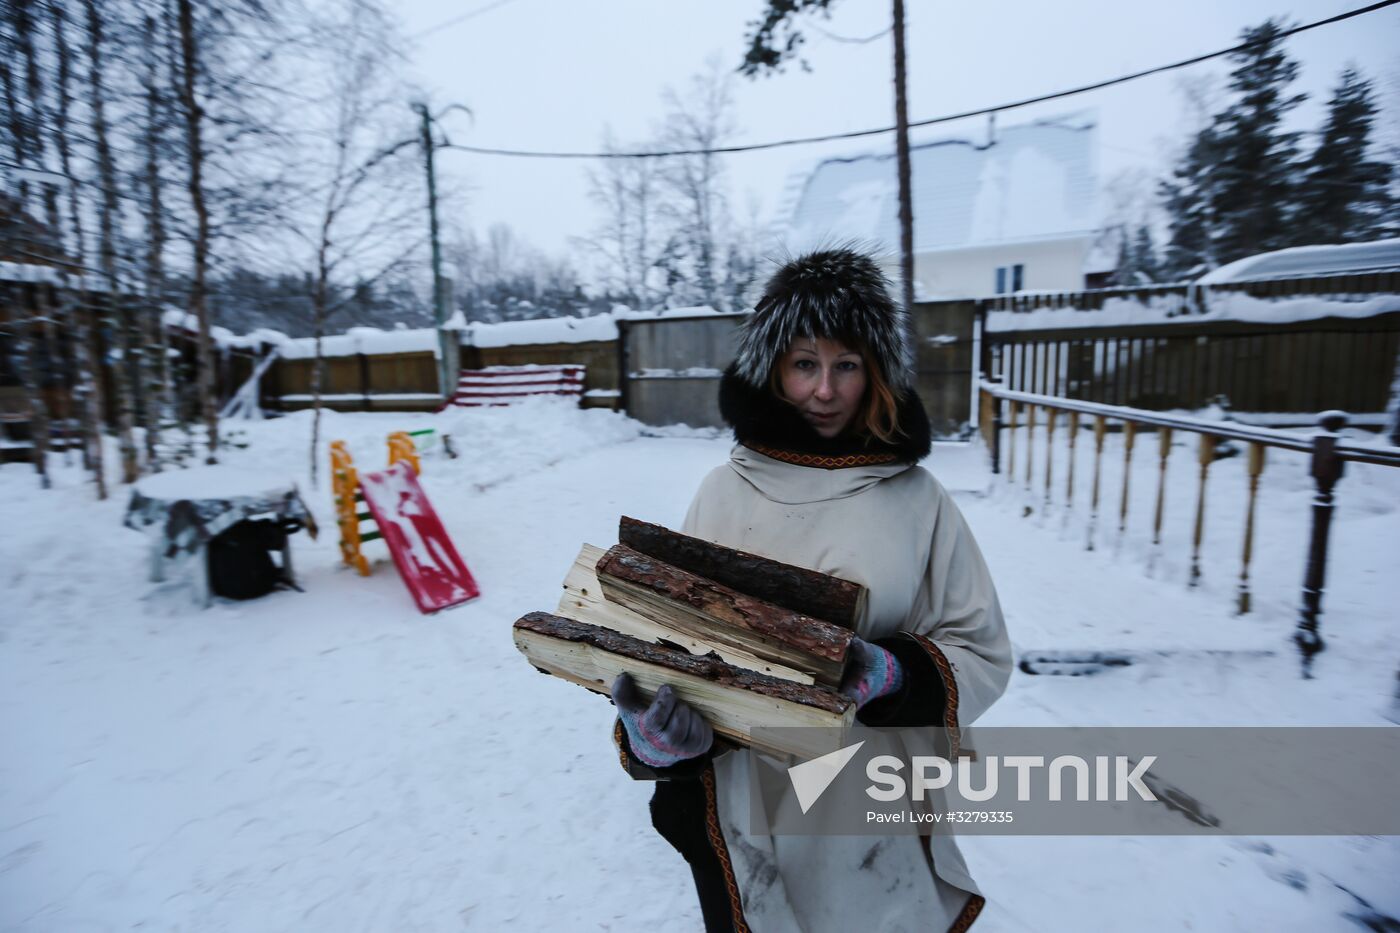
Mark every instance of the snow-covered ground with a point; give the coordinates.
(332, 760)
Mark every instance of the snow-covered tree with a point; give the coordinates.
(1233, 190)
(1258, 159)
(1345, 195)
(700, 118)
(628, 240)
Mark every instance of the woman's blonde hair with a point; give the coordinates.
(878, 416)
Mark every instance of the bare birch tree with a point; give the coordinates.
(701, 118)
(627, 242)
(159, 397)
(365, 195)
(87, 383)
(108, 220)
(192, 112)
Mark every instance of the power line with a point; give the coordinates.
(462, 18)
(852, 40)
(947, 118)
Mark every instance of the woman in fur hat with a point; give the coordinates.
(824, 475)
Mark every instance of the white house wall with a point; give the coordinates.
(970, 272)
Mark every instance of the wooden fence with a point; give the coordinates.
(408, 381)
(1185, 356)
(1287, 368)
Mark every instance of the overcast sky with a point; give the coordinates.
(552, 74)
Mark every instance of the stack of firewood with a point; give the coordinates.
(748, 641)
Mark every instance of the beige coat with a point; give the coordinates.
(896, 530)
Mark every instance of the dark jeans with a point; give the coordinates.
(678, 813)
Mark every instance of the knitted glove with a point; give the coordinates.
(871, 672)
(664, 733)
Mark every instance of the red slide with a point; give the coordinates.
(428, 563)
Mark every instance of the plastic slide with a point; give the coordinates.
(427, 561)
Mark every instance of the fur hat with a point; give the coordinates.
(836, 293)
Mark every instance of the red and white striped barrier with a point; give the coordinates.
(503, 385)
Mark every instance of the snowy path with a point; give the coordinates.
(334, 761)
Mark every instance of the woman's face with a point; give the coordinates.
(825, 379)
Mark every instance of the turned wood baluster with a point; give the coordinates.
(1030, 444)
(1011, 446)
(1205, 455)
(1099, 427)
(1164, 449)
(1129, 434)
(1073, 434)
(1256, 466)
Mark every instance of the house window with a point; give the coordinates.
(1011, 278)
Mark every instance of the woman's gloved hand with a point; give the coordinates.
(871, 672)
(664, 733)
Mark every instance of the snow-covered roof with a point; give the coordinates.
(222, 336)
(1299, 261)
(1034, 181)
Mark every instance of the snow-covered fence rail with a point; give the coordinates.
(1204, 299)
(1005, 411)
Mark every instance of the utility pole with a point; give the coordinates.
(901, 141)
(445, 377)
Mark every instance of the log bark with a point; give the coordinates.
(733, 700)
(809, 592)
(710, 611)
(583, 600)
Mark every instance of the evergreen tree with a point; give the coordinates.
(1346, 196)
(1258, 165)
(1235, 190)
(1189, 199)
(1145, 255)
(1137, 258)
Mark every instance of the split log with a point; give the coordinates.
(809, 592)
(583, 600)
(708, 611)
(733, 700)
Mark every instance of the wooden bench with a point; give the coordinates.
(505, 385)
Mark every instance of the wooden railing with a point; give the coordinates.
(1005, 411)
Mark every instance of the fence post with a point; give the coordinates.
(624, 399)
(1327, 469)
